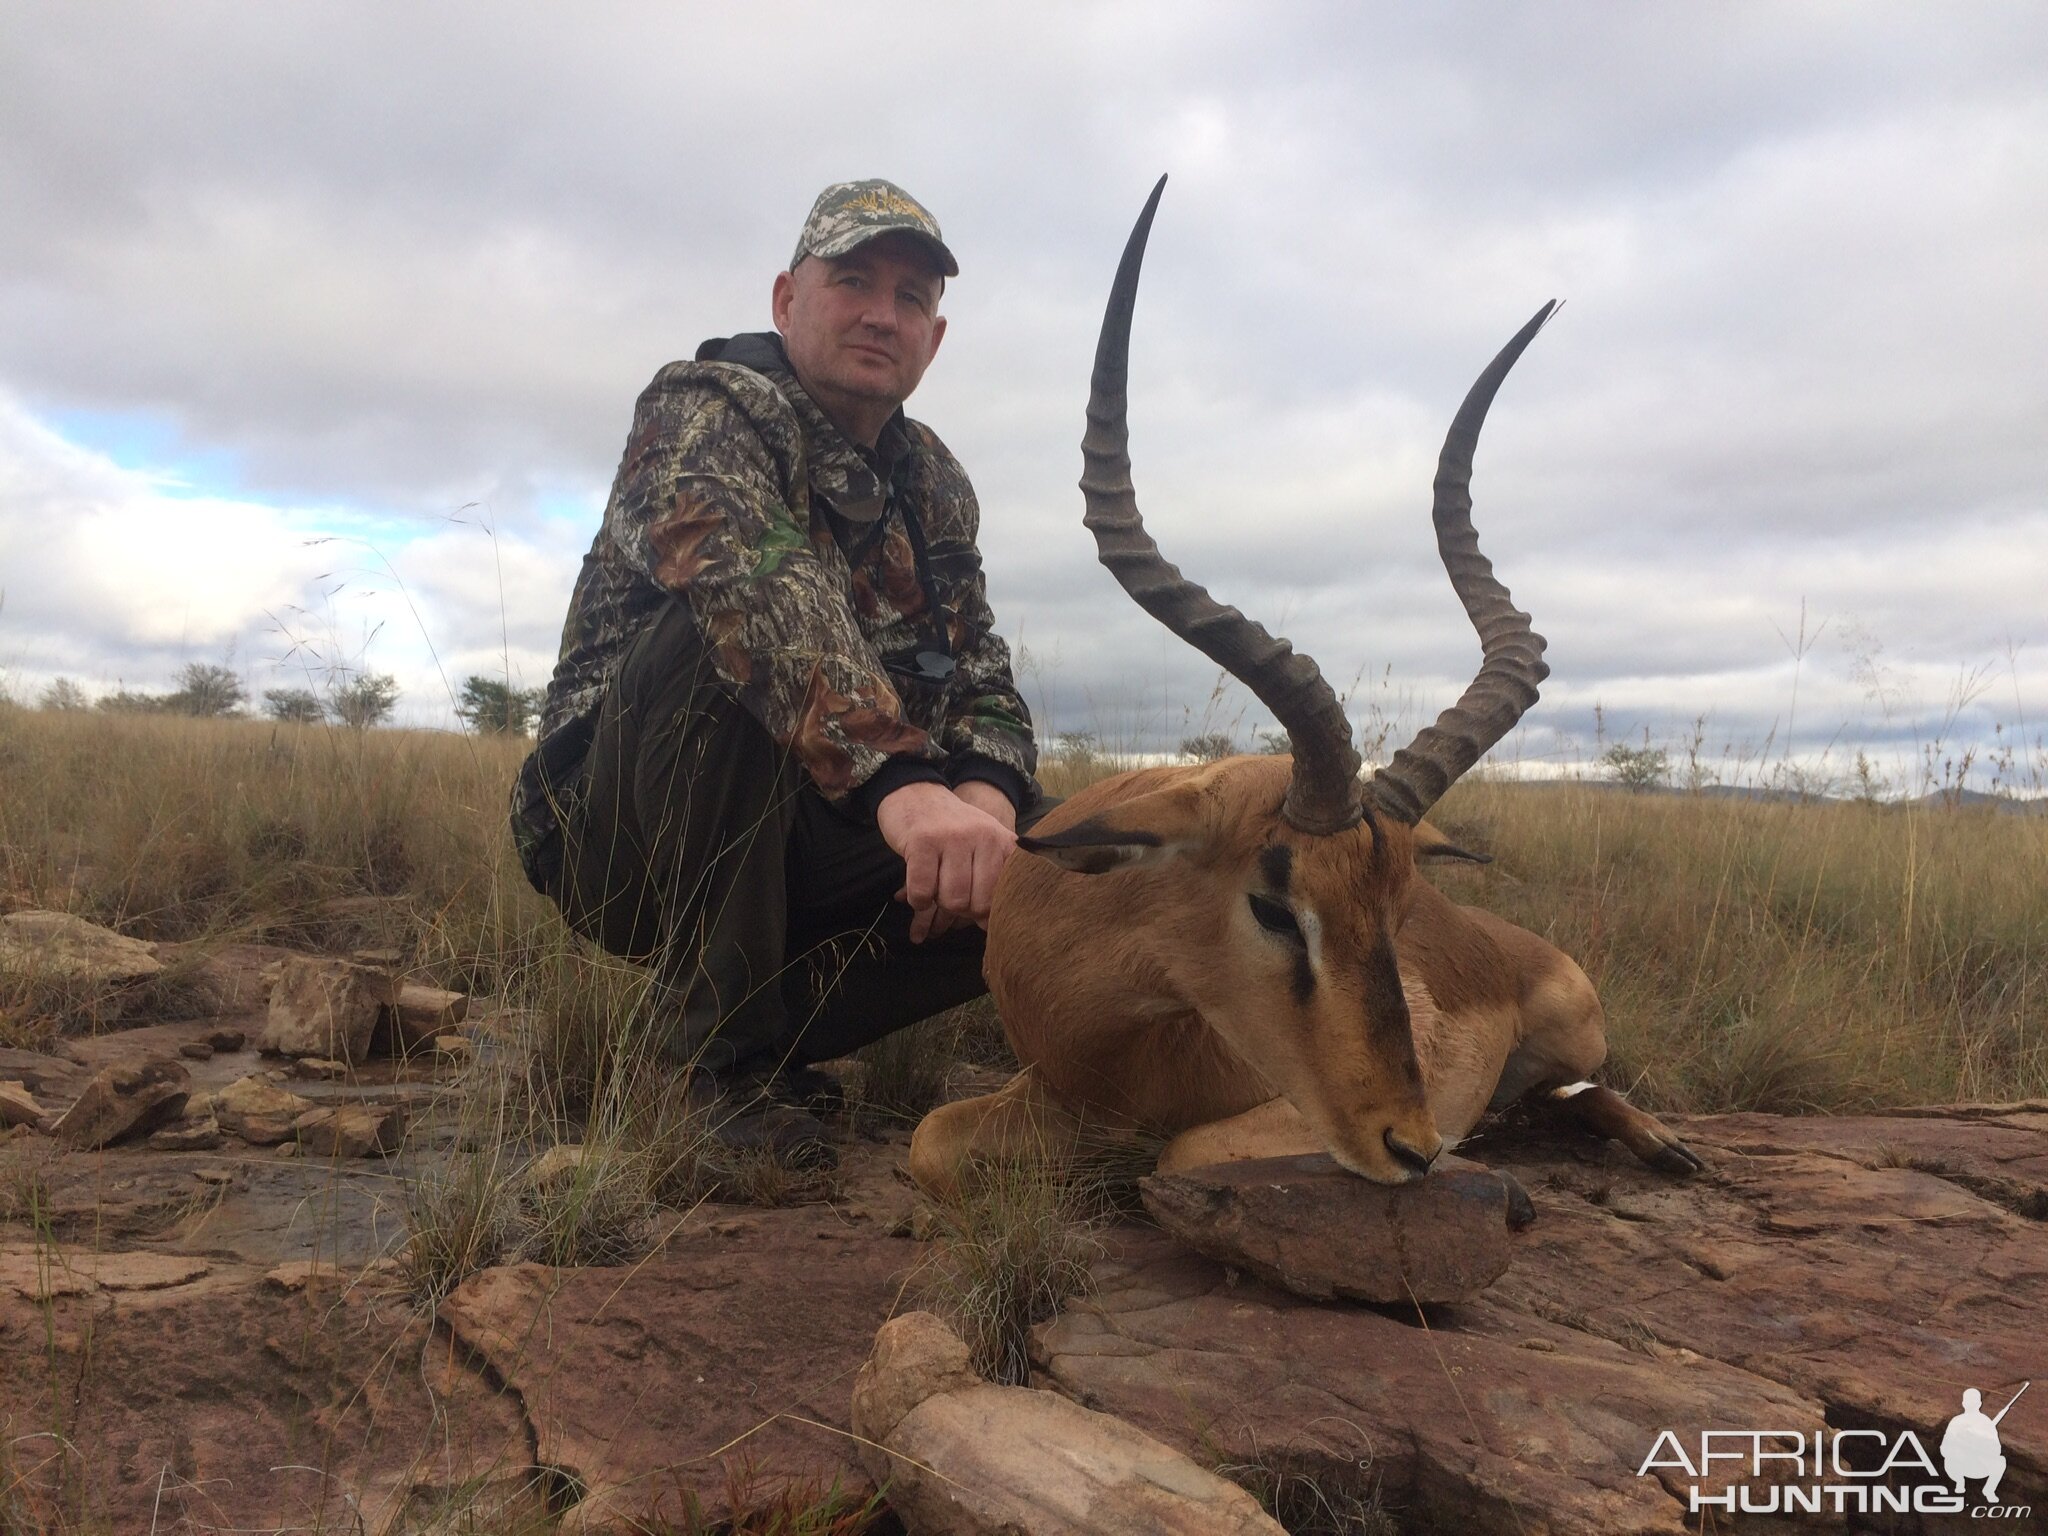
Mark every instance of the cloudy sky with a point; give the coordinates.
(320, 329)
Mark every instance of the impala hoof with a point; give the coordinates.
(1676, 1159)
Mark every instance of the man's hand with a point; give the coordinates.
(984, 796)
(952, 848)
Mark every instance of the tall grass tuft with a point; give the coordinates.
(1009, 1252)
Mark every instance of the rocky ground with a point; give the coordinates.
(217, 1338)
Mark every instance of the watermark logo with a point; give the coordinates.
(1843, 1471)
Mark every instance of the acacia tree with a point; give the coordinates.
(1210, 747)
(492, 706)
(366, 700)
(206, 690)
(294, 706)
(63, 695)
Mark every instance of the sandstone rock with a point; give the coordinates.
(1805, 1279)
(225, 1041)
(320, 1068)
(325, 1008)
(200, 1133)
(18, 1106)
(639, 1381)
(62, 948)
(457, 1050)
(421, 1013)
(350, 1130)
(197, 1050)
(125, 1100)
(966, 1458)
(1308, 1225)
(286, 1149)
(556, 1165)
(171, 1397)
(300, 1273)
(44, 1073)
(260, 1113)
(40, 1273)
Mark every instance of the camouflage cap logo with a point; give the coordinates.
(851, 213)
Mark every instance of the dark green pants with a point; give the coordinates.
(701, 848)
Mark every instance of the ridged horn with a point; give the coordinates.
(1324, 794)
(1511, 664)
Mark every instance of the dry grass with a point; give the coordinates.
(1782, 956)
(1013, 1249)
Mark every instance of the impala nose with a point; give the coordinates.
(1415, 1162)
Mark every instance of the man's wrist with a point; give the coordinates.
(892, 776)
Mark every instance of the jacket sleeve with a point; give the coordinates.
(712, 504)
(986, 720)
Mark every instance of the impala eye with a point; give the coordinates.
(1274, 917)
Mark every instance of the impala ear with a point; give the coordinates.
(1148, 830)
(1432, 847)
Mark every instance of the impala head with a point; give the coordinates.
(1288, 878)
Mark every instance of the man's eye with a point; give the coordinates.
(913, 298)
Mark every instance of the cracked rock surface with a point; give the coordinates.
(1853, 1272)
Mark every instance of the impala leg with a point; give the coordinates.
(1020, 1121)
(1274, 1129)
(1606, 1113)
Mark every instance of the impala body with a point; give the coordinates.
(1241, 955)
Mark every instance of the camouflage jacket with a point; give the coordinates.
(796, 552)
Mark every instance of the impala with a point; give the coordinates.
(1239, 956)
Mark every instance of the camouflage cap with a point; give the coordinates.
(851, 213)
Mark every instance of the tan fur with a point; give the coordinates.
(1149, 996)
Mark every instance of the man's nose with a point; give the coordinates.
(880, 314)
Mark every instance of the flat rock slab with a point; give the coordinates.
(1311, 1227)
(224, 1404)
(1808, 1278)
(62, 948)
(644, 1382)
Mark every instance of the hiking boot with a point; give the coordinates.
(809, 1088)
(746, 1113)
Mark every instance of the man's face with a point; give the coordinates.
(862, 327)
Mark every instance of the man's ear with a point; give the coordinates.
(938, 335)
(1432, 847)
(1150, 830)
(780, 297)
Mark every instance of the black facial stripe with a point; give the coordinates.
(1304, 977)
(1386, 1005)
(1276, 863)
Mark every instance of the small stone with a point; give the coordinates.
(1308, 1225)
(556, 1165)
(197, 1050)
(260, 1113)
(319, 1067)
(286, 1149)
(457, 1050)
(226, 1040)
(18, 1106)
(422, 1013)
(192, 1134)
(296, 1276)
(325, 1008)
(122, 1101)
(214, 1175)
(351, 1130)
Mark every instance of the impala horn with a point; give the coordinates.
(1511, 664)
(1324, 794)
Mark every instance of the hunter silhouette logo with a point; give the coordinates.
(1844, 1471)
(1969, 1446)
